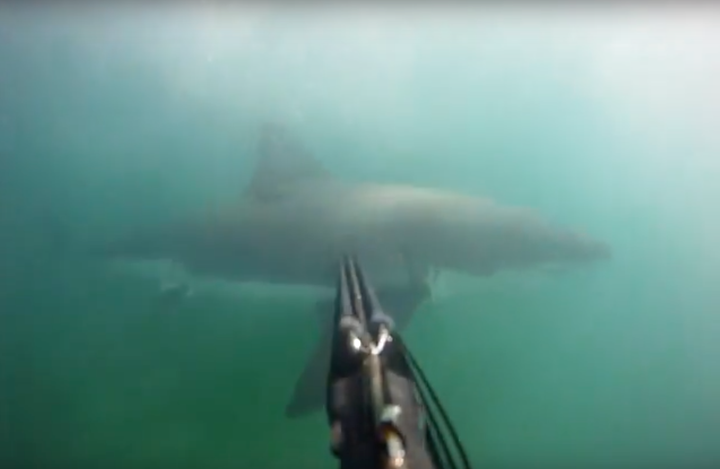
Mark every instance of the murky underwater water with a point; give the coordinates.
(110, 121)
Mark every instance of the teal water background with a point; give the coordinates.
(600, 118)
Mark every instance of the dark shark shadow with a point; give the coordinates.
(309, 392)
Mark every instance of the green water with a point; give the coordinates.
(108, 121)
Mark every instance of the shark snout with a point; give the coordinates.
(583, 247)
(604, 251)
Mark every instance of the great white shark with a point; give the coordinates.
(295, 221)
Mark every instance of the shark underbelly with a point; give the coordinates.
(288, 263)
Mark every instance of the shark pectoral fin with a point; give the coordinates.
(309, 392)
(417, 272)
(401, 302)
(432, 281)
(421, 275)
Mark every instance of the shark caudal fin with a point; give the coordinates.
(310, 389)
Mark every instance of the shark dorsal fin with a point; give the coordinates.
(283, 161)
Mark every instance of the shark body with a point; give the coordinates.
(296, 220)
